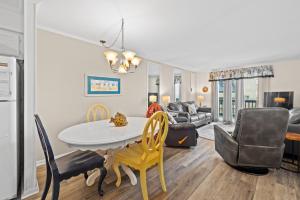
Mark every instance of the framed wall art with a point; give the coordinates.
(102, 86)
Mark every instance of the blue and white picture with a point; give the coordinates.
(96, 85)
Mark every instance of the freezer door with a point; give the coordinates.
(8, 150)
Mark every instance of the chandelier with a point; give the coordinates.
(126, 61)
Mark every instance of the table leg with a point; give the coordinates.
(92, 178)
(95, 174)
(130, 174)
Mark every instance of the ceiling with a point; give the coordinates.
(197, 35)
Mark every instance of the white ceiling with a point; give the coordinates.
(197, 35)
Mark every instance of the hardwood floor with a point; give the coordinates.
(191, 174)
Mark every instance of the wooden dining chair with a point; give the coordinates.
(149, 152)
(97, 112)
(73, 164)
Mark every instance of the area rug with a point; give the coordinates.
(207, 131)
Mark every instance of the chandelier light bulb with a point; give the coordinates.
(122, 69)
(111, 56)
(129, 55)
(136, 61)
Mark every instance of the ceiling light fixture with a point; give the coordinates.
(126, 62)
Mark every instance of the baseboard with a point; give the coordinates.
(30, 192)
(43, 161)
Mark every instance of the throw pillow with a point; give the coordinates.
(171, 118)
(192, 109)
(180, 108)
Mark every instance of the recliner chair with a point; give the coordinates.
(257, 142)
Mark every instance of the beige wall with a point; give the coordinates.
(188, 86)
(202, 81)
(61, 65)
(287, 76)
(166, 87)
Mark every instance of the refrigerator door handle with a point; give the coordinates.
(10, 82)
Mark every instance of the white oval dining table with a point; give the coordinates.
(102, 135)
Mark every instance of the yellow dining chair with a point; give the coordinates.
(97, 112)
(149, 152)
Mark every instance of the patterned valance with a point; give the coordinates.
(242, 73)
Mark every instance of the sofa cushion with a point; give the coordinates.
(185, 107)
(186, 104)
(294, 117)
(181, 119)
(194, 118)
(208, 115)
(175, 107)
(201, 116)
(192, 109)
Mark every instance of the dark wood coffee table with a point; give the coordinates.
(293, 137)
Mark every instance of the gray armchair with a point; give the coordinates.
(257, 141)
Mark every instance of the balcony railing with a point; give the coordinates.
(248, 104)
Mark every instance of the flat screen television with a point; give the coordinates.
(279, 99)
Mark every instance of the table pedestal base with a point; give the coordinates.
(94, 175)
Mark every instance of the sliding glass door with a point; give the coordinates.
(221, 99)
(251, 92)
(250, 96)
(234, 98)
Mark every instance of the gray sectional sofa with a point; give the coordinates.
(181, 113)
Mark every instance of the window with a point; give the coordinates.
(234, 98)
(250, 92)
(221, 98)
(153, 89)
(177, 87)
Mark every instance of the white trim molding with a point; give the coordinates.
(30, 184)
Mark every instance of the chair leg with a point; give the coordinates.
(143, 180)
(162, 176)
(103, 173)
(55, 189)
(117, 172)
(86, 175)
(47, 183)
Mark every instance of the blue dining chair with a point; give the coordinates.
(73, 164)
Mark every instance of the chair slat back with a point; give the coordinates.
(155, 132)
(97, 112)
(48, 152)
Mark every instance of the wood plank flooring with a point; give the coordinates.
(191, 174)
